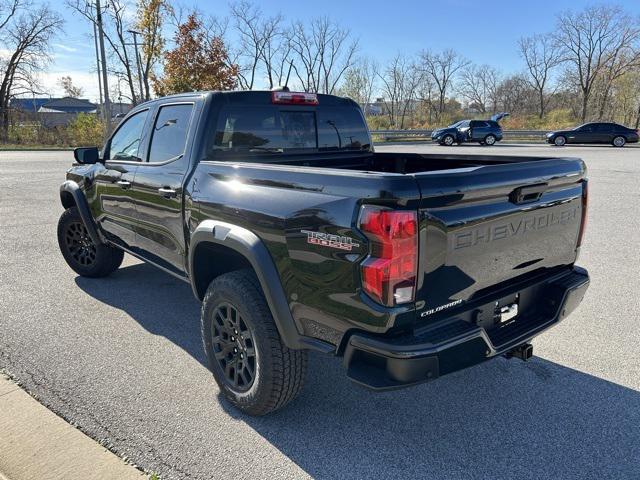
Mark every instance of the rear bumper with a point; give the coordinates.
(383, 363)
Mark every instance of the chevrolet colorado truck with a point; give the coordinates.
(296, 235)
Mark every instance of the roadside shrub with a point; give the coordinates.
(84, 131)
(378, 122)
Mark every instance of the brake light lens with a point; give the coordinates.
(585, 209)
(294, 98)
(389, 272)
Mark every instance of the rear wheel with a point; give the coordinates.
(619, 141)
(559, 141)
(255, 371)
(490, 140)
(447, 140)
(81, 254)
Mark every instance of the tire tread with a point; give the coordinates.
(288, 367)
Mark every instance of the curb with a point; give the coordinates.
(36, 443)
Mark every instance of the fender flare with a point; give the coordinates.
(247, 244)
(81, 203)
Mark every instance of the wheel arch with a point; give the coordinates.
(235, 247)
(72, 196)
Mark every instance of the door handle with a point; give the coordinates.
(124, 184)
(167, 192)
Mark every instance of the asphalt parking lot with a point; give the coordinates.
(121, 358)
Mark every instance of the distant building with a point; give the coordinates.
(118, 109)
(52, 112)
(375, 108)
(68, 105)
(28, 105)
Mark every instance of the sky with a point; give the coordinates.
(484, 32)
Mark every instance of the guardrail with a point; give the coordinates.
(426, 134)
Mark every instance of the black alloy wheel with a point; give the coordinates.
(233, 347)
(79, 244)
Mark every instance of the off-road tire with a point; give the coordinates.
(83, 256)
(279, 372)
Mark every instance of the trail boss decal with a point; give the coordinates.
(332, 241)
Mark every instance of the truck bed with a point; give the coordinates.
(400, 163)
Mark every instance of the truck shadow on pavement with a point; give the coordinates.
(501, 419)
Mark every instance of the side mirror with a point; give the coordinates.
(86, 155)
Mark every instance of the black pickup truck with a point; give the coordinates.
(296, 235)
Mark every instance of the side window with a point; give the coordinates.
(125, 143)
(604, 128)
(169, 134)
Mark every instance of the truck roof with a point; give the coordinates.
(252, 97)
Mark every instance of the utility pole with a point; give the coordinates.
(138, 62)
(95, 41)
(107, 103)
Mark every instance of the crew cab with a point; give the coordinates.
(296, 235)
(602, 133)
(484, 132)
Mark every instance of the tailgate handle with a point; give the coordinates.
(530, 193)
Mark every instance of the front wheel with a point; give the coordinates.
(81, 254)
(619, 141)
(255, 371)
(447, 140)
(490, 140)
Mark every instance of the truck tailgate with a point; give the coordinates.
(481, 227)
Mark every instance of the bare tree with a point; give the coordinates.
(541, 57)
(115, 32)
(323, 53)
(8, 8)
(276, 52)
(591, 40)
(256, 33)
(70, 90)
(442, 67)
(623, 59)
(479, 86)
(360, 81)
(516, 94)
(400, 82)
(26, 32)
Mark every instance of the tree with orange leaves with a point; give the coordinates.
(198, 62)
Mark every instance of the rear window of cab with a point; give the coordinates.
(287, 128)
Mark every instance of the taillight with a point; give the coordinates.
(389, 272)
(585, 208)
(294, 98)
